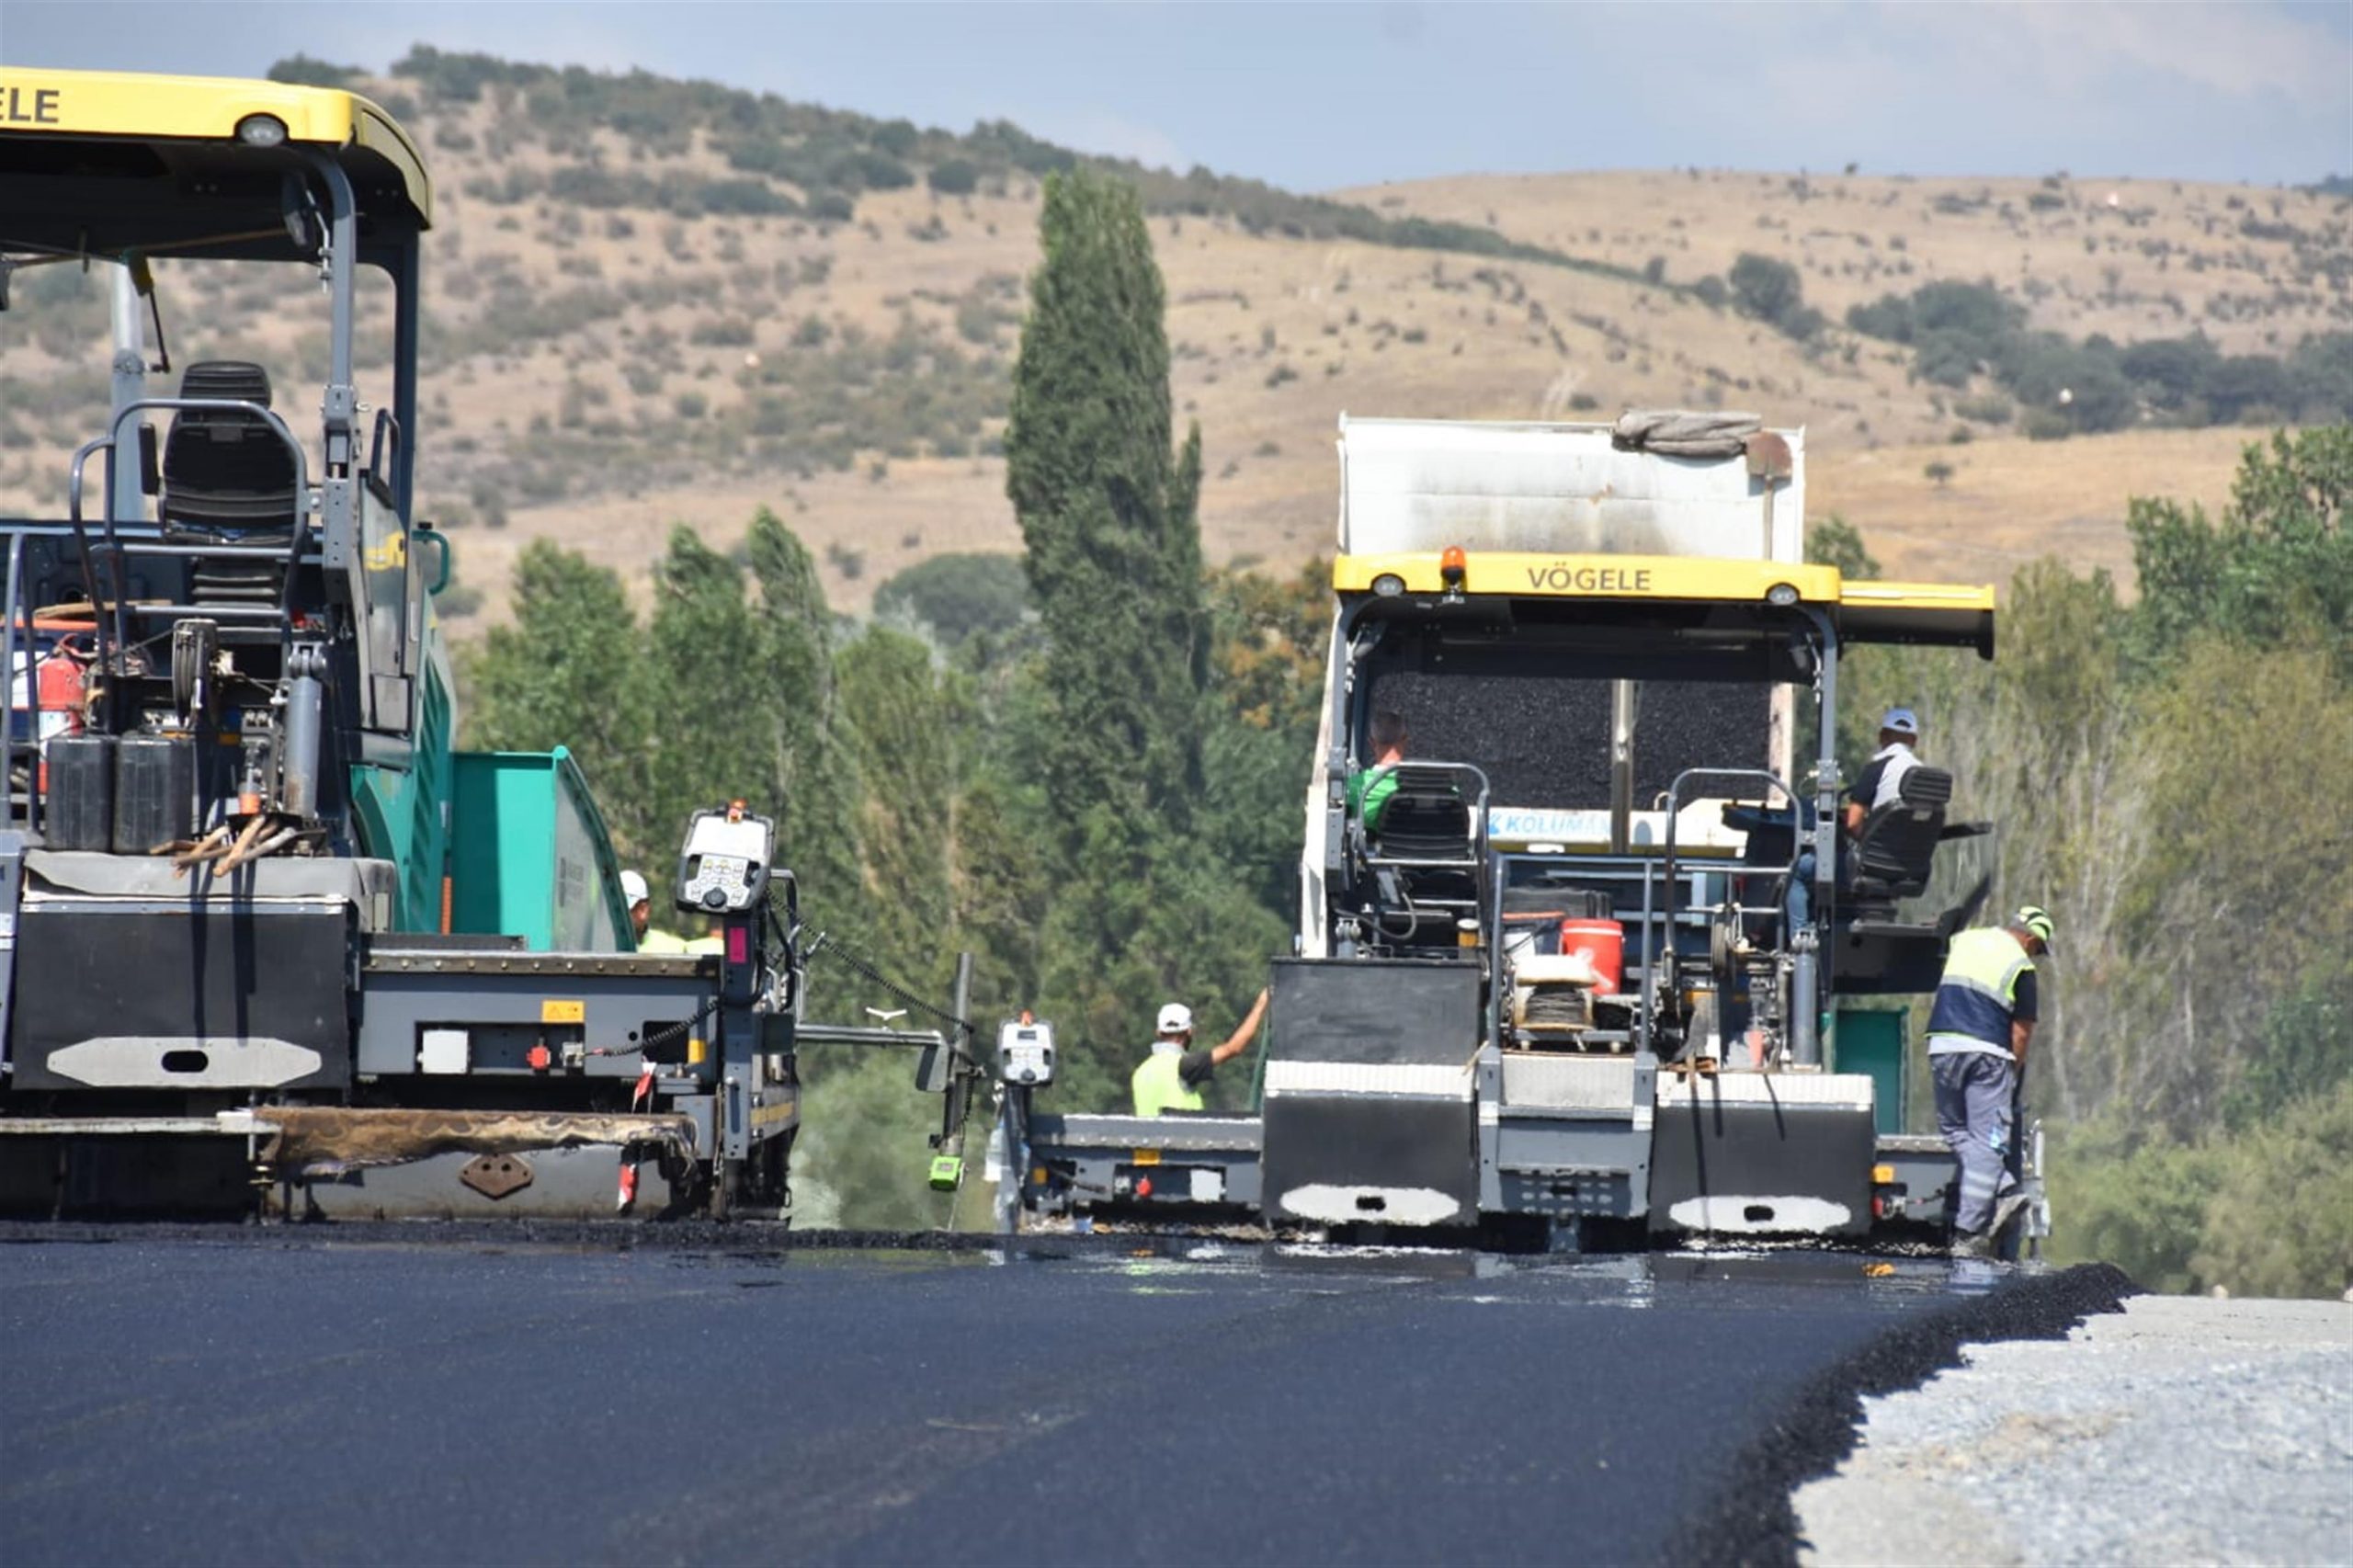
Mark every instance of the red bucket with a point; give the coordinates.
(1603, 943)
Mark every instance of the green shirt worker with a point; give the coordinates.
(1172, 1076)
(1369, 788)
(641, 917)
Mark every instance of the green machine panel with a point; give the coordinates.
(529, 856)
(1871, 1039)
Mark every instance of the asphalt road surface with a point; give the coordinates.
(365, 1396)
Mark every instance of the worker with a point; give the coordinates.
(1172, 1076)
(1880, 783)
(1978, 1033)
(1881, 779)
(641, 917)
(1369, 788)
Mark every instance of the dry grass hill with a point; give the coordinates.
(639, 318)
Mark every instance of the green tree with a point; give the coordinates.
(2137, 1201)
(1834, 541)
(571, 670)
(2280, 1220)
(959, 596)
(716, 711)
(2305, 1050)
(1146, 905)
(2276, 568)
(906, 742)
(810, 777)
(1107, 511)
(861, 1158)
(1271, 638)
(1772, 291)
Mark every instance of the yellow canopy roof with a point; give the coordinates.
(103, 163)
(1955, 614)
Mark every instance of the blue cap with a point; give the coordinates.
(1902, 720)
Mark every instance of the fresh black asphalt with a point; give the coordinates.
(362, 1397)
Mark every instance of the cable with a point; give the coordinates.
(827, 944)
(663, 1037)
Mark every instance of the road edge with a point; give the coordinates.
(1753, 1518)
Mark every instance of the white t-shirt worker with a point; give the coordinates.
(1881, 780)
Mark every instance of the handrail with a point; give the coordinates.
(1667, 870)
(82, 535)
(32, 687)
(384, 419)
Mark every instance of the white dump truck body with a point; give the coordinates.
(1417, 484)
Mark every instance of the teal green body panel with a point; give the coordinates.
(402, 809)
(531, 856)
(1871, 1039)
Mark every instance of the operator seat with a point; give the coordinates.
(229, 480)
(1427, 857)
(1896, 846)
(226, 475)
(1879, 951)
(1426, 818)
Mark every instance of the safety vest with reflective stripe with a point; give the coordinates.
(656, 941)
(1159, 1085)
(1979, 991)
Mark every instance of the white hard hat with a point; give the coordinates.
(1176, 1018)
(633, 889)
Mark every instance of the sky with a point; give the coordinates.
(1317, 97)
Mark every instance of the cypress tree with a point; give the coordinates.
(1145, 905)
(1108, 510)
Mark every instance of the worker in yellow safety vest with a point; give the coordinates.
(641, 917)
(1172, 1076)
(1979, 1030)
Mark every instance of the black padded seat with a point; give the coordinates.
(226, 475)
(1427, 857)
(1897, 845)
(1426, 818)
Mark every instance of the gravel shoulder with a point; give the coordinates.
(2181, 1429)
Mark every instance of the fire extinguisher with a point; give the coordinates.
(64, 684)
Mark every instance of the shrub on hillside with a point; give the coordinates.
(304, 70)
(955, 176)
(1771, 291)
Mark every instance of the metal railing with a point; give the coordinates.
(104, 552)
(28, 680)
(1652, 877)
(291, 554)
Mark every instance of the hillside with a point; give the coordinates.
(654, 302)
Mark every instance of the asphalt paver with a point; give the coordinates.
(364, 1395)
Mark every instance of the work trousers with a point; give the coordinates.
(1977, 1113)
